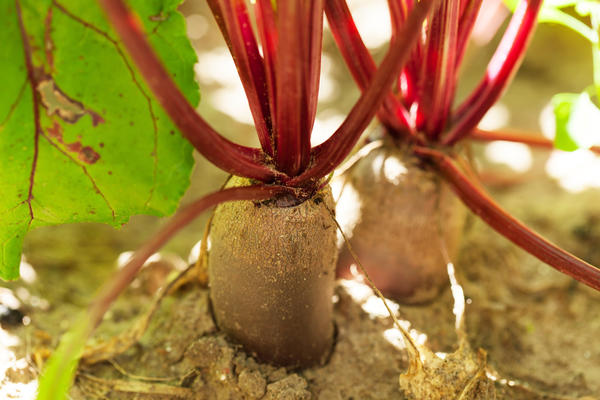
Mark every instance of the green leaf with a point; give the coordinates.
(551, 13)
(577, 119)
(511, 4)
(594, 13)
(81, 137)
(563, 104)
(60, 369)
(554, 15)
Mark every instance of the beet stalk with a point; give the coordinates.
(271, 265)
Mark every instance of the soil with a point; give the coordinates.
(538, 330)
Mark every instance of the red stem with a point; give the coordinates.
(361, 64)
(269, 37)
(469, 13)
(187, 214)
(292, 140)
(398, 13)
(437, 79)
(234, 22)
(233, 158)
(519, 137)
(313, 38)
(500, 70)
(70, 349)
(399, 10)
(410, 72)
(355, 53)
(327, 156)
(490, 212)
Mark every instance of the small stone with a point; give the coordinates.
(277, 375)
(292, 387)
(210, 352)
(252, 384)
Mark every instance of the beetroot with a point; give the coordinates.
(271, 273)
(396, 211)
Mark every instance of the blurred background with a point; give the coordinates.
(558, 60)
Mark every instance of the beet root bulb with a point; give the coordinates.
(396, 212)
(271, 275)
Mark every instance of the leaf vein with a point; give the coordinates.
(137, 83)
(14, 105)
(85, 171)
(31, 77)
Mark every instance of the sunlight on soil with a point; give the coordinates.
(459, 297)
(374, 307)
(16, 379)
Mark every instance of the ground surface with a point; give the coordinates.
(539, 329)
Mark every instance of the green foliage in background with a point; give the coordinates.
(81, 137)
(577, 121)
(577, 115)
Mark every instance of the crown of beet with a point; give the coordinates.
(281, 84)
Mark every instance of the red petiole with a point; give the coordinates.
(535, 140)
(508, 226)
(500, 70)
(281, 86)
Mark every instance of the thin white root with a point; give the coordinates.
(458, 293)
(414, 354)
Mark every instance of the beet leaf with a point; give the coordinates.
(81, 136)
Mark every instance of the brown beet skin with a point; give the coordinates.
(271, 274)
(392, 207)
